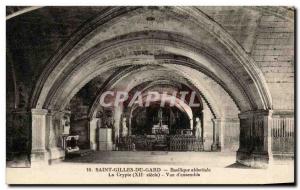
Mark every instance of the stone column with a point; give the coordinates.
(105, 139)
(38, 130)
(93, 133)
(255, 138)
(55, 130)
(202, 126)
(129, 126)
(221, 136)
(218, 134)
(118, 111)
(50, 137)
(214, 145)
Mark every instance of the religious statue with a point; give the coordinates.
(124, 128)
(108, 120)
(198, 129)
(66, 123)
(191, 124)
(160, 116)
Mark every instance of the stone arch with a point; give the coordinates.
(156, 83)
(20, 10)
(201, 90)
(204, 23)
(179, 62)
(181, 105)
(214, 52)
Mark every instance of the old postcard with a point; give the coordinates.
(150, 95)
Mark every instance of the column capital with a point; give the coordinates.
(65, 113)
(217, 120)
(39, 111)
(224, 119)
(252, 113)
(58, 112)
(51, 112)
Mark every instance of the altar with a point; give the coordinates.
(161, 135)
(160, 129)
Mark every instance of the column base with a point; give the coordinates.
(214, 147)
(105, 139)
(105, 146)
(254, 159)
(38, 158)
(56, 154)
(93, 146)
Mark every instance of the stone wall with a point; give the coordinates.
(239, 22)
(274, 54)
(269, 39)
(18, 134)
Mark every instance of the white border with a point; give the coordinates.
(3, 3)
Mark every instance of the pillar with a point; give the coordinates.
(93, 133)
(57, 125)
(214, 145)
(105, 139)
(202, 126)
(221, 136)
(218, 134)
(118, 111)
(129, 125)
(255, 138)
(38, 130)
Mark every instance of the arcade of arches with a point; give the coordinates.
(239, 61)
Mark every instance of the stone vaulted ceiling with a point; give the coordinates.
(67, 49)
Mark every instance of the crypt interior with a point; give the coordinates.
(239, 61)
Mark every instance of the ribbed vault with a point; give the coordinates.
(149, 76)
(206, 46)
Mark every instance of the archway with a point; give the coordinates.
(210, 51)
(158, 125)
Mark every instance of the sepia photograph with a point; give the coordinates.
(150, 95)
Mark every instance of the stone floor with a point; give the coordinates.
(207, 159)
(221, 169)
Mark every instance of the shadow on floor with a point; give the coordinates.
(238, 165)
